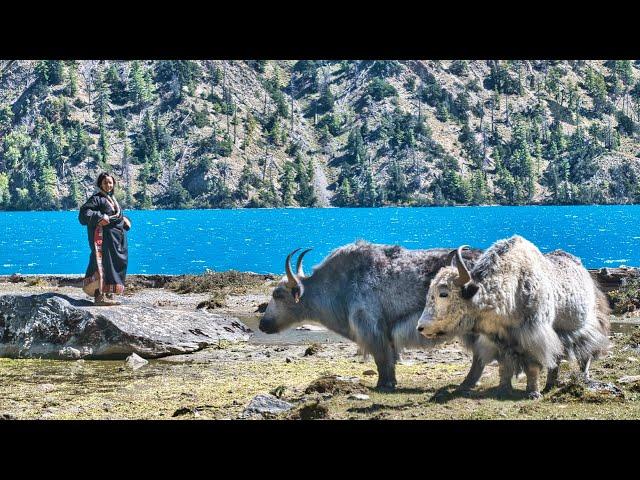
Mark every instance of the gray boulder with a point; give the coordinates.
(135, 362)
(62, 327)
(265, 405)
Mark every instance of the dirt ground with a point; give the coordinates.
(218, 383)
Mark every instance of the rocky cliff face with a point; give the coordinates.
(228, 133)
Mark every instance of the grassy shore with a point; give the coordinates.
(219, 382)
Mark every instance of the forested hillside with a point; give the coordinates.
(257, 133)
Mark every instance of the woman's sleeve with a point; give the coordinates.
(90, 213)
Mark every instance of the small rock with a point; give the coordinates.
(369, 373)
(312, 349)
(287, 360)
(311, 328)
(358, 396)
(16, 278)
(7, 416)
(184, 411)
(46, 387)
(135, 361)
(266, 404)
(69, 352)
(629, 379)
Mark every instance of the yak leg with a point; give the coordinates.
(471, 380)
(506, 371)
(552, 379)
(377, 343)
(384, 356)
(533, 373)
(584, 367)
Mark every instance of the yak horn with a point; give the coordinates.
(292, 281)
(462, 268)
(299, 271)
(449, 261)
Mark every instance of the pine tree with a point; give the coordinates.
(48, 187)
(101, 104)
(326, 100)
(287, 184)
(344, 195)
(5, 196)
(397, 191)
(75, 195)
(71, 90)
(140, 86)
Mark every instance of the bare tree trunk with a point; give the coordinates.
(226, 110)
(506, 112)
(264, 112)
(493, 108)
(264, 166)
(292, 93)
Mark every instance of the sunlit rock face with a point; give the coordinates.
(62, 327)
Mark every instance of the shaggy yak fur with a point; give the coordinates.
(530, 310)
(371, 294)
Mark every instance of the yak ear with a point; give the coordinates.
(297, 292)
(469, 290)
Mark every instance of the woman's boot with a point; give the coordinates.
(102, 301)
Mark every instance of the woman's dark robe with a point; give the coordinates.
(109, 255)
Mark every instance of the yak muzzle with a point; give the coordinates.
(267, 326)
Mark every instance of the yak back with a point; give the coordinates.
(379, 264)
(390, 278)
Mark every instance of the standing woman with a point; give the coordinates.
(106, 226)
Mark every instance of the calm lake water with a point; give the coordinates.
(190, 241)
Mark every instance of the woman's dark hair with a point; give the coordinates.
(104, 175)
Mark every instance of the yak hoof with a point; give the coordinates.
(465, 387)
(534, 395)
(386, 387)
(504, 392)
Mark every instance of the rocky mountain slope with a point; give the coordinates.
(210, 134)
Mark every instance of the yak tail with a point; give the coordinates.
(592, 340)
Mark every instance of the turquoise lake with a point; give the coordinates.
(257, 240)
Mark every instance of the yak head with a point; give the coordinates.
(446, 311)
(285, 307)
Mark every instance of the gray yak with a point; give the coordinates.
(371, 294)
(530, 310)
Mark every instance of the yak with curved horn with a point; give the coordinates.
(530, 310)
(371, 294)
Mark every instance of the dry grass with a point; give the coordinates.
(219, 285)
(627, 298)
(221, 388)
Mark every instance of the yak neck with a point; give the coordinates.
(322, 304)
